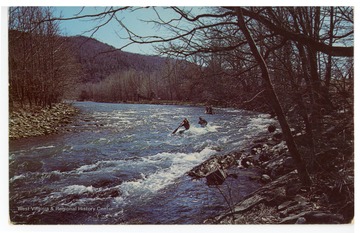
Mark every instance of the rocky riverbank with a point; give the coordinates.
(282, 199)
(39, 121)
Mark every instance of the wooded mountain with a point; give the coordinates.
(111, 75)
(43, 69)
(99, 60)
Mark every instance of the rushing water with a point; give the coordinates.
(119, 163)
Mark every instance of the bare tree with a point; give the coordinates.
(254, 35)
(41, 66)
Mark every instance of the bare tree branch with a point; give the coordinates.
(105, 12)
(298, 37)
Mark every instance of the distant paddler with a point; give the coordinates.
(184, 123)
(202, 122)
(209, 110)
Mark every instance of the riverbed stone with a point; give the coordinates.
(271, 128)
(286, 205)
(301, 220)
(294, 208)
(31, 165)
(265, 178)
(249, 203)
(216, 178)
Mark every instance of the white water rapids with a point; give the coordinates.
(119, 163)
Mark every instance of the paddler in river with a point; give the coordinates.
(209, 110)
(184, 123)
(202, 122)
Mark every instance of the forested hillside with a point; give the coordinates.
(111, 75)
(99, 60)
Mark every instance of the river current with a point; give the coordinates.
(121, 164)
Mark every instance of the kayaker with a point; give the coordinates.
(202, 122)
(184, 123)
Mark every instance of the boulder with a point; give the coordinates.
(265, 178)
(31, 165)
(286, 204)
(271, 128)
(264, 157)
(227, 161)
(249, 203)
(205, 168)
(247, 162)
(274, 167)
(256, 148)
(260, 140)
(295, 208)
(301, 220)
(216, 178)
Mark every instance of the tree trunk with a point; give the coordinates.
(300, 165)
(329, 62)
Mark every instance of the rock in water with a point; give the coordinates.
(216, 178)
(271, 128)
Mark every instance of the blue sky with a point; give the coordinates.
(112, 31)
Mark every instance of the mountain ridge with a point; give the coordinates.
(99, 60)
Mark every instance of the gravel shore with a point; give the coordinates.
(39, 121)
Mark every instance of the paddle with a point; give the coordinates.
(177, 128)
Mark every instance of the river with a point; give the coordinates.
(121, 164)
